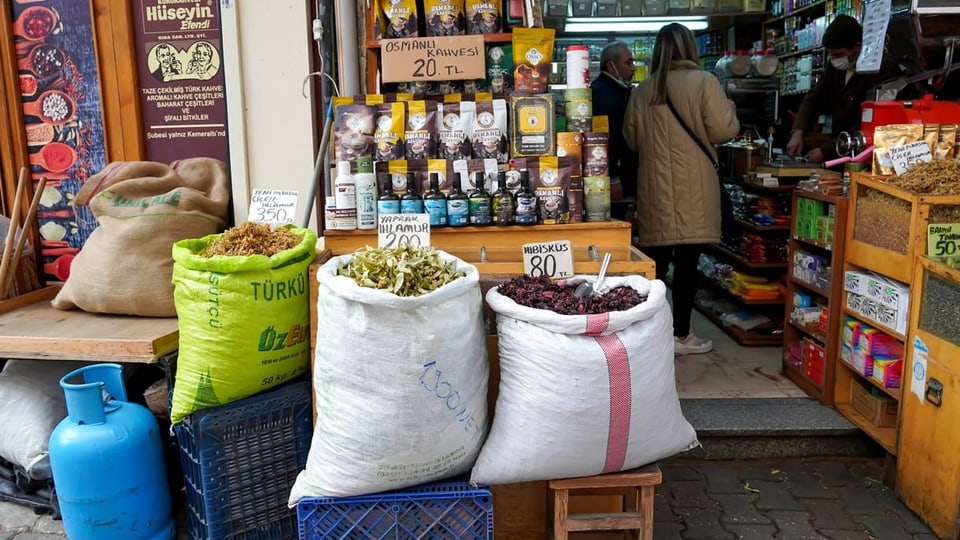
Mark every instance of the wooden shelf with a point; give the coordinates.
(895, 393)
(814, 243)
(799, 378)
(744, 262)
(801, 52)
(878, 325)
(761, 228)
(740, 298)
(821, 337)
(795, 12)
(807, 285)
(885, 436)
(501, 37)
(741, 336)
(759, 187)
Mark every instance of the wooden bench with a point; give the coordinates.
(635, 486)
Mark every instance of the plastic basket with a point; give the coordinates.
(439, 511)
(239, 462)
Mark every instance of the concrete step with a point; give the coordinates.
(754, 428)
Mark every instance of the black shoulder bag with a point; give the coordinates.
(726, 205)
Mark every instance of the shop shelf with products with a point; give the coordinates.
(747, 267)
(813, 306)
(927, 472)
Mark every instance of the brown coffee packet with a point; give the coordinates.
(420, 135)
(455, 129)
(532, 53)
(444, 17)
(483, 17)
(490, 131)
(397, 19)
(389, 122)
(353, 128)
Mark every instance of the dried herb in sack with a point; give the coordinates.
(252, 238)
(542, 293)
(404, 271)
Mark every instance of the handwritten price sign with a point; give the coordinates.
(394, 230)
(906, 156)
(551, 259)
(273, 206)
(432, 59)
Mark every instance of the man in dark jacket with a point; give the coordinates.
(610, 93)
(840, 91)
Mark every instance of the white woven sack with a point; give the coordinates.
(400, 386)
(582, 395)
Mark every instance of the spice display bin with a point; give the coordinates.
(887, 227)
(928, 466)
(239, 461)
(447, 509)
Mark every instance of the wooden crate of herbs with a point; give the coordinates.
(887, 225)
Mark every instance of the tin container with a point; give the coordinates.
(532, 132)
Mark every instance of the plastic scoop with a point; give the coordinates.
(591, 289)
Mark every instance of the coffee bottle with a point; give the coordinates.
(410, 201)
(526, 213)
(435, 203)
(458, 210)
(503, 204)
(480, 202)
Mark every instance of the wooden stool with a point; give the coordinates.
(635, 486)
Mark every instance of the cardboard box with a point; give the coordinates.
(861, 362)
(855, 282)
(877, 343)
(855, 301)
(850, 333)
(880, 411)
(887, 372)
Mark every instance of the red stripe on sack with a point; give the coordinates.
(597, 324)
(618, 370)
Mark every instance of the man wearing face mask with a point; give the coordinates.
(840, 90)
(611, 89)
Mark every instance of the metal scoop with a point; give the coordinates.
(591, 289)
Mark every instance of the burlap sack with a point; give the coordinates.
(143, 207)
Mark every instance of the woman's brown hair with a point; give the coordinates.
(674, 42)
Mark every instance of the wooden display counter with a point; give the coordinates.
(30, 328)
(520, 510)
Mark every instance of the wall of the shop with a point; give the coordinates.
(272, 133)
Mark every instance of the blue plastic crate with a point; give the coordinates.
(239, 462)
(450, 510)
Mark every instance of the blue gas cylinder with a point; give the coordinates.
(107, 461)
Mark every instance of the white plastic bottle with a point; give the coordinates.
(345, 196)
(366, 186)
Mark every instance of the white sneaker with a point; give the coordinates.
(691, 345)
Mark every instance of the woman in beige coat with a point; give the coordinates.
(678, 191)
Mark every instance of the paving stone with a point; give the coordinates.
(666, 531)
(829, 514)
(867, 470)
(774, 496)
(885, 528)
(911, 522)
(7, 535)
(680, 474)
(833, 534)
(860, 502)
(691, 495)
(924, 536)
(723, 481)
(804, 485)
(702, 524)
(793, 525)
(835, 474)
(740, 509)
(39, 536)
(753, 532)
(758, 473)
(662, 511)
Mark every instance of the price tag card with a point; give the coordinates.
(432, 58)
(905, 156)
(551, 259)
(394, 230)
(277, 206)
(943, 239)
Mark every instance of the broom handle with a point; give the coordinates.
(7, 283)
(12, 232)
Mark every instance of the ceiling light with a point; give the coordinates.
(625, 25)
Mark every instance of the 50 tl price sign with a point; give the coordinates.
(943, 239)
(551, 259)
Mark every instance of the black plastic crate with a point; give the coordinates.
(240, 461)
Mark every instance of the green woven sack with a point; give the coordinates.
(244, 322)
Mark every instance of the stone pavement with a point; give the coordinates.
(777, 499)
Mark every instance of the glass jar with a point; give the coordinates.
(765, 63)
(739, 64)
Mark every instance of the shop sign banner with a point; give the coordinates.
(62, 118)
(182, 94)
(432, 59)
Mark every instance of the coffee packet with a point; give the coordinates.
(444, 17)
(490, 131)
(532, 53)
(886, 137)
(389, 120)
(445, 173)
(946, 141)
(469, 167)
(483, 17)
(353, 128)
(420, 135)
(454, 130)
(396, 19)
(532, 131)
(499, 61)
